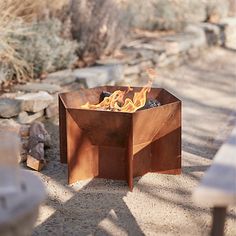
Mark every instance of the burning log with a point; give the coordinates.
(38, 140)
(117, 101)
(150, 103)
(103, 95)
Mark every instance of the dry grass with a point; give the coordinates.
(33, 9)
(11, 25)
(15, 22)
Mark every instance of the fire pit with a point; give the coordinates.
(119, 145)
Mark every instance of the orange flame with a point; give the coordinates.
(115, 102)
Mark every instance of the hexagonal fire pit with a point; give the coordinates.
(119, 145)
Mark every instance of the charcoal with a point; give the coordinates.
(103, 95)
(150, 103)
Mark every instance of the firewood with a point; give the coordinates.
(34, 164)
(35, 158)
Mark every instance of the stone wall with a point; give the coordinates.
(173, 14)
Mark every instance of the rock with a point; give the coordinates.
(25, 118)
(38, 134)
(9, 107)
(22, 158)
(11, 95)
(99, 75)
(52, 110)
(146, 64)
(36, 87)
(199, 36)
(193, 53)
(135, 69)
(23, 150)
(229, 25)
(9, 125)
(34, 102)
(24, 131)
(60, 78)
(157, 46)
(213, 33)
(170, 60)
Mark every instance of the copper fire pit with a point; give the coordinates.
(119, 145)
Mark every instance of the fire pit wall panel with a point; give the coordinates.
(119, 145)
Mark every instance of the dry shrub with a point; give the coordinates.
(100, 27)
(45, 49)
(31, 42)
(11, 63)
(34, 9)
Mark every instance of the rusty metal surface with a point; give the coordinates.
(119, 145)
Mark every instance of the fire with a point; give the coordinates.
(116, 102)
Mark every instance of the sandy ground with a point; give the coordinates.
(159, 204)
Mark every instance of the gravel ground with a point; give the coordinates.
(159, 204)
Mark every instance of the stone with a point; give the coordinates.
(24, 131)
(38, 134)
(99, 75)
(199, 36)
(170, 60)
(157, 46)
(25, 118)
(36, 87)
(52, 110)
(129, 70)
(147, 54)
(61, 78)
(11, 95)
(10, 125)
(193, 53)
(34, 102)
(9, 107)
(229, 25)
(146, 64)
(23, 150)
(213, 33)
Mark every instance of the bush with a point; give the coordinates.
(99, 26)
(11, 62)
(174, 14)
(30, 42)
(44, 48)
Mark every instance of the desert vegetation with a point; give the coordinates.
(39, 37)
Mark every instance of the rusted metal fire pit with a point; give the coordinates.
(119, 145)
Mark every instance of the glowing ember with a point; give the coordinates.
(116, 102)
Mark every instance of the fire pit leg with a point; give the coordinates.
(130, 171)
(63, 139)
(166, 153)
(82, 156)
